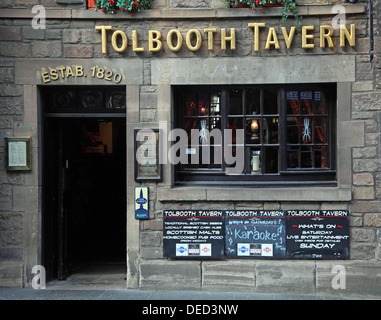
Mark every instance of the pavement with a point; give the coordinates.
(108, 282)
(80, 293)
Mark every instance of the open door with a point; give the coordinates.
(85, 194)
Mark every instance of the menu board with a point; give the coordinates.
(255, 234)
(193, 233)
(317, 234)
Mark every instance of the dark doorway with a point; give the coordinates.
(84, 183)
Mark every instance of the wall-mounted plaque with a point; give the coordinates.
(317, 234)
(255, 234)
(18, 153)
(147, 166)
(141, 203)
(193, 233)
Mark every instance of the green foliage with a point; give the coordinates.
(131, 6)
(289, 7)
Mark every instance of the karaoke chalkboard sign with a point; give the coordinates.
(317, 234)
(255, 234)
(193, 233)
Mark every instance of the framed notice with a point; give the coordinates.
(18, 153)
(147, 164)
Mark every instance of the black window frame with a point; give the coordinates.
(284, 176)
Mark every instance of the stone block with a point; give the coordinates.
(33, 34)
(291, 277)
(15, 49)
(372, 219)
(25, 199)
(363, 193)
(11, 274)
(6, 75)
(360, 279)
(362, 235)
(46, 49)
(228, 275)
(10, 33)
(170, 275)
(191, 3)
(72, 36)
(151, 238)
(363, 179)
(78, 52)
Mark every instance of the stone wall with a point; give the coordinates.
(76, 38)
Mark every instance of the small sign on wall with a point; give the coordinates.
(141, 203)
(18, 153)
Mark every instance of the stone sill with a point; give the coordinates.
(308, 194)
(223, 13)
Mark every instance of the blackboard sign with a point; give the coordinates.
(193, 233)
(255, 234)
(317, 234)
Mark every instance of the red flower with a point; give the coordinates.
(262, 9)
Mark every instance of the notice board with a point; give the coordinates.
(255, 234)
(193, 233)
(317, 234)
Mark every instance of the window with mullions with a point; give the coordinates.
(281, 134)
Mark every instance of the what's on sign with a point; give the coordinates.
(279, 234)
(317, 234)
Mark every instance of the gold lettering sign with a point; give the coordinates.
(194, 38)
(66, 72)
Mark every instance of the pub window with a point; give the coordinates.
(281, 134)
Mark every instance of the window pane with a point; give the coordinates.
(292, 102)
(292, 130)
(320, 129)
(321, 157)
(270, 130)
(270, 101)
(293, 157)
(253, 101)
(306, 131)
(270, 160)
(233, 124)
(253, 131)
(235, 102)
(306, 157)
(320, 104)
(306, 102)
(254, 161)
(215, 104)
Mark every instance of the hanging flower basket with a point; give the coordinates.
(131, 6)
(289, 7)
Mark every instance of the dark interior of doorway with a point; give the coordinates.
(85, 215)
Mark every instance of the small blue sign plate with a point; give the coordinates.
(141, 203)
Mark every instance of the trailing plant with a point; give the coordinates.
(131, 6)
(289, 7)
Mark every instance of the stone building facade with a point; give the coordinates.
(72, 44)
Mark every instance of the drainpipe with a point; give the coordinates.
(371, 30)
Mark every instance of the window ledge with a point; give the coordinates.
(307, 194)
(223, 13)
